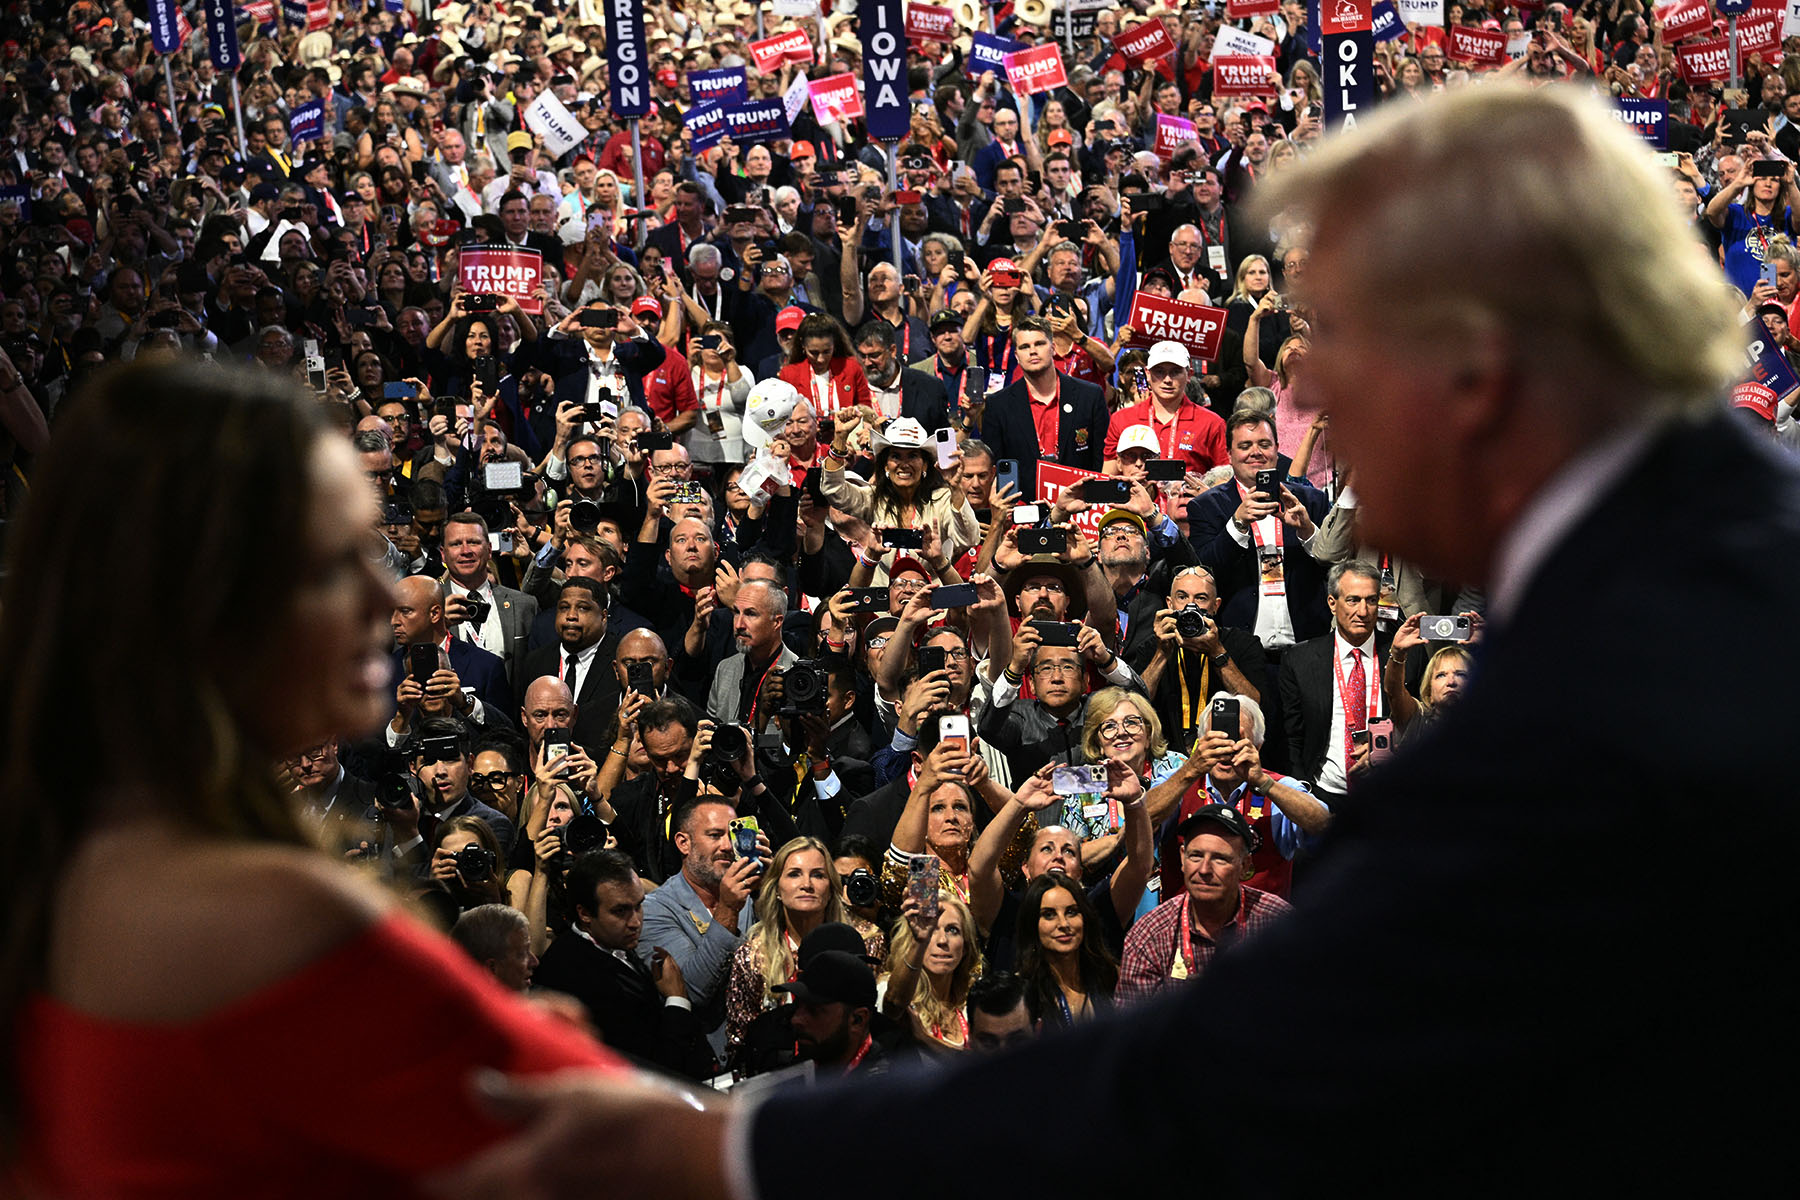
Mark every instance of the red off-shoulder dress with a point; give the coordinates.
(348, 1078)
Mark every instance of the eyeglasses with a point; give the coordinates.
(493, 779)
(1057, 668)
(877, 643)
(956, 654)
(1123, 725)
(1047, 587)
(585, 460)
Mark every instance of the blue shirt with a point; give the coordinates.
(1745, 239)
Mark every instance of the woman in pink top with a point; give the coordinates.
(1293, 419)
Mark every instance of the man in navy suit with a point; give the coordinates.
(419, 620)
(920, 395)
(1044, 415)
(1540, 953)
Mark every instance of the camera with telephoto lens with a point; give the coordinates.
(718, 766)
(393, 791)
(1190, 622)
(584, 516)
(475, 863)
(861, 889)
(802, 689)
(586, 832)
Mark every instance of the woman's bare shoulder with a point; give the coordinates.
(161, 927)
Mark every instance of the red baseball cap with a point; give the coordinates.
(789, 318)
(667, 77)
(646, 306)
(802, 150)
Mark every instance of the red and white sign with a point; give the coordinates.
(318, 15)
(1148, 41)
(792, 46)
(1036, 70)
(1759, 33)
(1052, 478)
(1197, 326)
(262, 11)
(1346, 16)
(1244, 75)
(1172, 133)
(929, 23)
(1684, 18)
(1707, 61)
(1472, 45)
(502, 271)
(1251, 8)
(835, 98)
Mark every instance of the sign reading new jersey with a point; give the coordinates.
(1649, 117)
(165, 30)
(882, 26)
(221, 35)
(628, 80)
(502, 271)
(726, 85)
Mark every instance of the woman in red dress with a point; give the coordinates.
(196, 1001)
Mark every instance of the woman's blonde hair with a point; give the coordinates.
(1431, 665)
(771, 916)
(1238, 291)
(904, 947)
(1102, 705)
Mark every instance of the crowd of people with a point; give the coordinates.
(823, 630)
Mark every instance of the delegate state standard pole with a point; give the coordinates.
(894, 217)
(1069, 27)
(637, 174)
(169, 78)
(237, 108)
(1736, 75)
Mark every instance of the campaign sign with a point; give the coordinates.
(726, 85)
(1232, 40)
(1683, 19)
(1421, 12)
(1704, 60)
(1649, 117)
(1199, 327)
(307, 122)
(1052, 478)
(930, 23)
(627, 71)
(1085, 23)
(551, 120)
(221, 35)
(1251, 8)
(1038, 69)
(1243, 75)
(1148, 41)
(318, 14)
(1790, 19)
(706, 122)
(881, 26)
(1767, 366)
(1470, 45)
(1387, 25)
(292, 11)
(834, 98)
(502, 271)
(792, 46)
(763, 121)
(1759, 33)
(1346, 16)
(987, 52)
(21, 196)
(1349, 77)
(165, 30)
(794, 99)
(1172, 133)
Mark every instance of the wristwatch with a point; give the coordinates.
(1220, 660)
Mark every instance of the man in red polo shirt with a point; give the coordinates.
(1184, 430)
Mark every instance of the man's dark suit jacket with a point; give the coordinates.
(1008, 429)
(1235, 567)
(626, 1007)
(1308, 686)
(599, 699)
(477, 669)
(922, 398)
(1497, 985)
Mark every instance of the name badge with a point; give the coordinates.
(1215, 259)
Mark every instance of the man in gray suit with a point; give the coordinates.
(506, 620)
(756, 616)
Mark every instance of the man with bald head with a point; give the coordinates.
(642, 649)
(418, 620)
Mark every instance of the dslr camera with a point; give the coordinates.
(803, 688)
(1190, 622)
(475, 863)
(586, 832)
(861, 889)
(718, 766)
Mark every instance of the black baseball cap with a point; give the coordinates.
(1220, 816)
(943, 317)
(831, 935)
(833, 977)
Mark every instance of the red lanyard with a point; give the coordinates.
(757, 698)
(938, 1033)
(1371, 702)
(703, 386)
(861, 1050)
(1207, 235)
(905, 329)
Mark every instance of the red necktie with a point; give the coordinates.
(1356, 716)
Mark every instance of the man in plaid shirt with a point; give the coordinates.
(1178, 938)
